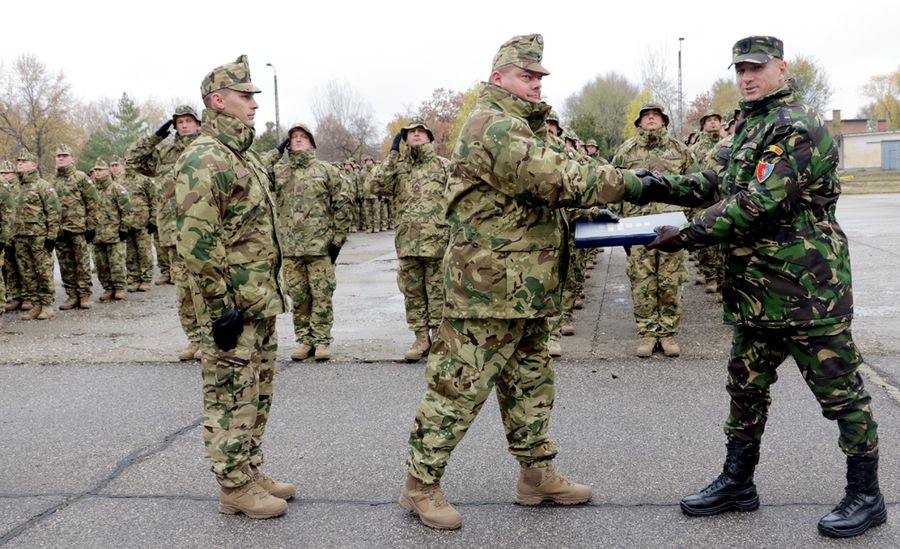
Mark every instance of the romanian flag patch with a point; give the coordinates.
(775, 149)
(763, 171)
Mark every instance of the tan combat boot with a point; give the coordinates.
(669, 346)
(46, 312)
(85, 302)
(419, 347)
(537, 484)
(119, 295)
(711, 287)
(579, 304)
(106, 296)
(143, 287)
(282, 490)
(69, 304)
(428, 501)
(252, 500)
(13, 305)
(700, 280)
(132, 287)
(567, 329)
(303, 352)
(162, 280)
(323, 352)
(554, 348)
(32, 313)
(26, 306)
(189, 352)
(645, 347)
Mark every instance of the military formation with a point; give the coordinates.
(487, 265)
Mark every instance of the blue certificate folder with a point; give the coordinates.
(629, 231)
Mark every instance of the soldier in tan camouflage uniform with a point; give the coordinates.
(227, 237)
(502, 280)
(7, 228)
(708, 258)
(141, 226)
(113, 207)
(656, 277)
(313, 222)
(415, 182)
(11, 277)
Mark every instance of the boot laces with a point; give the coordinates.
(849, 504)
(435, 495)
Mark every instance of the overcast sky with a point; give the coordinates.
(395, 53)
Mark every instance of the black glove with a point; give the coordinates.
(163, 130)
(227, 328)
(123, 236)
(283, 145)
(395, 144)
(151, 228)
(606, 216)
(627, 250)
(653, 188)
(49, 245)
(668, 239)
(333, 252)
(89, 235)
(2, 247)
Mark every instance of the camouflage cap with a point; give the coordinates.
(116, 160)
(524, 51)
(234, 76)
(416, 124)
(64, 149)
(756, 49)
(100, 164)
(182, 110)
(709, 115)
(591, 143)
(25, 154)
(651, 107)
(368, 157)
(553, 117)
(7, 167)
(306, 130)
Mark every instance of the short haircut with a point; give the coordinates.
(207, 99)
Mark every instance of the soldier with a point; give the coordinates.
(37, 227)
(360, 205)
(114, 208)
(10, 271)
(787, 288)
(553, 127)
(416, 182)
(656, 278)
(227, 237)
(154, 156)
(7, 228)
(501, 278)
(141, 226)
(313, 221)
(371, 208)
(707, 258)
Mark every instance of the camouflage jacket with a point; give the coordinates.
(226, 221)
(708, 141)
(154, 158)
(311, 204)
(7, 213)
(655, 150)
(78, 199)
(37, 208)
(504, 256)
(787, 259)
(416, 182)
(143, 196)
(114, 209)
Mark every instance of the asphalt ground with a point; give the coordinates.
(101, 444)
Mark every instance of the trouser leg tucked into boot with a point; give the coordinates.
(863, 504)
(733, 490)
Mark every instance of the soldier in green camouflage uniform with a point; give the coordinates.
(502, 280)
(7, 230)
(37, 227)
(141, 225)
(415, 182)
(114, 208)
(787, 287)
(154, 156)
(313, 222)
(656, 278)
(78, 226)
(708, 258)
(226, 235)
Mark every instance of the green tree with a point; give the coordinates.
(466, 104)
(631, 112)
(810, 82)
(598, 111)
(265, 141)
(725, 97)
(125, 126)
(884, 92)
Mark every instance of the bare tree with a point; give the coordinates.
(657, 78)
(344, 122)
(810, 81)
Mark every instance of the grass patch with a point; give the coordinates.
(873, 182)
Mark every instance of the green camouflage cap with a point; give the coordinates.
(367, 158)
(116, 160)
(182, 110)
(708, 115)
(651, 107)
(416, 124)
(7, 167)
(234, 76)
(100, 164)
(64, 149)
(553, 117)
(306, 130)
(591, 142)
(25, 154)
(757, 49)
(524, 51)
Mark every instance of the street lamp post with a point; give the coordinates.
(277, 116)
(680, 95)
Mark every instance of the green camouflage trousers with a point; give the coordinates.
(387, 213)
(710, 263)
(74, 256)
(656, 280)
(421, 281)
(237, 396)
(162, 259)
(827, 359)
(139, 256)
(372, 213)
(2, 278)
(11, 278)
(468, 358)
(311, 282)
(36, 269)
(110, 262)
(192, 310)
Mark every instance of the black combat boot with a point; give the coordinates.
(862, 506)
(732, 490)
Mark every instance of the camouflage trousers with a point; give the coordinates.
(11, 278)
(372, 213)
(710, 263)
(139, 256)
(468, 358)
(656, 280)
(74, 255)
(827, 359)
(192, 311)
(2, 278)
(421, 281)
(311, 282)
(162, 259)
(237, 396)
(358, 222)
(387, 213)
(110, 262)
(36, 269)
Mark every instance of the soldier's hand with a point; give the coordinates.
(668, 239)
(49, 245)
(333, 252)
(89, 235)
(151, 228)
(395, 144)
(627, 250)
(227, 329)
(283, 145)
(123, 236)
(163, 130)
(606, 216)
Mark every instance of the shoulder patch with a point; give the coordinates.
(775, 149)
(763, 171)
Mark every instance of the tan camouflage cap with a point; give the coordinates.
(524, 51)
(416, 124)
(64, 149)
(234, 76)
(709, 115)
(7, 167)
(591, 143)
(182, 110)
(100, 164)
(757, 49)
(306, 130)
(651, 107)
(553, 117)
(25, 154)
(116, 160)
